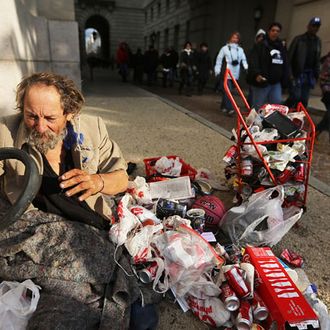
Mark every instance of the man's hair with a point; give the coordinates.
(279, 25)
(71, 98)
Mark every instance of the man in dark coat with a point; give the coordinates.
(204, 66)
(304, 61)
(268, 68)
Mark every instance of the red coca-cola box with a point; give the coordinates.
(288, 308)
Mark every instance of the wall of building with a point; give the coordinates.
(210, 21)
(297, 14)
(30, 43)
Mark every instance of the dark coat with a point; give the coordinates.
(268, 59)
(298, 54)
(204, 65)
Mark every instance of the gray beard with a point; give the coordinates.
(44, 142)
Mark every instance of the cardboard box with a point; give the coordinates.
(288, 308)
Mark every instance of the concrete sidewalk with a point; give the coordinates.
(145, 126)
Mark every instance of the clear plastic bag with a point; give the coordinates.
(260, 220)
(186, 256)
(18, 301)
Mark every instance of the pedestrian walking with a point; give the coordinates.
(187, 68)
(268, 68)
(304, 60)
(138, 66)
(231, 56)
(151, 62)
(167, 67)
(324, 124)
(260, 37)
(204, 66)
(122, 59)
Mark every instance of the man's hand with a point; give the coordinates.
(81, 182)
(260, 78)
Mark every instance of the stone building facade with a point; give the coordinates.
(36, 35)
(115, 21)
(172, 22)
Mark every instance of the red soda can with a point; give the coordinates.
(231, 154)
(260, 310)
(236, 281)
(244, 318)
(299, 175)
(229, 298)
(286, 175)
(148, 274)
(292, 258)
(247, 167)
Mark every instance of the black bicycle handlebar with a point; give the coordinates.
(31, 185)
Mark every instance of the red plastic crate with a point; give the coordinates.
(153, 175)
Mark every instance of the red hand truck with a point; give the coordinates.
(308, 139)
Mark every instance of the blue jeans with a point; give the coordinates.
(298, 93)
(269, 94)
(226, 104)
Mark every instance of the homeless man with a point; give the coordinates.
(64, 246)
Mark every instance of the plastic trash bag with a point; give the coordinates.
(186, 256)
(210, 310)
(140, 190)
(127, 221)
(167, 166)
(18, 301)
(260, 220)
(138, 245)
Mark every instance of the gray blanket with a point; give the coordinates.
(82, 287)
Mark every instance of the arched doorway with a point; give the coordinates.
(97, 41)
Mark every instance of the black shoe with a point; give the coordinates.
(130, 168)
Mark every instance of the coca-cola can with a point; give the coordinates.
(260, 310)
(236, 281)
(286, 175)
(229, 298)
(148, 274)
(247, 167)
(244, 318)
(231, 154)
(299, 175)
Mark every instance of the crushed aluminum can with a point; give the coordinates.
(286, 175)
(166, 208)
(292, 258)
(244, 318)
(236, 281)
(229, 298)
(231, 155)
(259, 309)
(148, 274)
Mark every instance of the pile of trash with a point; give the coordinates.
(273, 147)
(237, 283)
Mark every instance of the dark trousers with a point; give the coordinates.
(186, 80)
(324, 124)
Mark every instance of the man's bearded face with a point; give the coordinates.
(46, 141)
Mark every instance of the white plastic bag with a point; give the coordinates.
(168, 166)
(127, 221)
(260, 220)
(210, 310)
(138, 245)
(140, 190)
(16, 305)
(186, 255)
